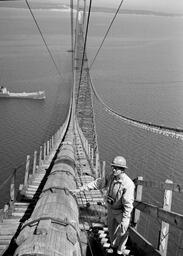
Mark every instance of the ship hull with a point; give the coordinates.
(36, 96)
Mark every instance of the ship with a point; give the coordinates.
(4, 93)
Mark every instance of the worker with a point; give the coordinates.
(119, 200)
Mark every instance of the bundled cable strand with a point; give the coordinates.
(79, 167)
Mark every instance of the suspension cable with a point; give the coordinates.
(85, 41)
(11, 175)
(44, 41)
(105, 36)
(72, 33)
(160, 129)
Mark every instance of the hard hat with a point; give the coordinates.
(119, 161)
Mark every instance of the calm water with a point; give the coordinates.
(138, 73)
(26, 66)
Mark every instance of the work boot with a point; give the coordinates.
(109, 251)
(123, 252)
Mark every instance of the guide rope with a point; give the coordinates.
(11, 175)
(44, 41)
(79, 167)
(105, 36)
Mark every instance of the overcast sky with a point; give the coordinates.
(154, 5)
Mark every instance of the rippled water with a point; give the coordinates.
(138, 73)
(26, 66)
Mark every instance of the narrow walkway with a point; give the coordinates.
(93, 213)
(20, 211)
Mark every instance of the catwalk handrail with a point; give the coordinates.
(175, 187)
(170, 217)
(164, 213)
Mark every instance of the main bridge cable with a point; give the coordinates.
(105, 36)
(72, 33)
(160, 129)
(84, 47)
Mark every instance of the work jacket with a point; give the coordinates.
(121, 191)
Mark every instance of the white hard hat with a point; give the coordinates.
(119, 161)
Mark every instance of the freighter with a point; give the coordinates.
(4, 93)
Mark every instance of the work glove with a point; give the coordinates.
(75, 191)
(78, 190)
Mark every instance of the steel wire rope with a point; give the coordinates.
(76, 28)
(88, 159)
(90, 164)
(11, 175)
(54, 63)
(72, 33)
(105, 36)
(87, 218)
(76, 151)
(84, 47)
(160, 129)
(85, 231)
(53, 60)
(45, 43)
(82, 185)
(96, 214)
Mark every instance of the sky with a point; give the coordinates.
(171, 6)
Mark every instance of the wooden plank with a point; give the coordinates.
(138, 197)
(34, 162)
(172, 218)
(164, 233)
(7, 230)
(141, 243)
(3, 247)
(27, 170)
(175, 187)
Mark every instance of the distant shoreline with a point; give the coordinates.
(62, 7)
